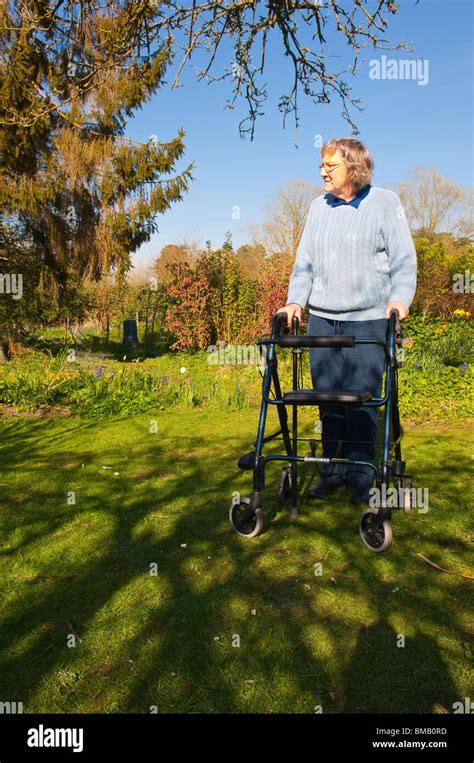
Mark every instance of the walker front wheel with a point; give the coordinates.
(378, 540)
(252, 526)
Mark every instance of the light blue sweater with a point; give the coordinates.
(351, 261)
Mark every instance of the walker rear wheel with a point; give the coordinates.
(253, 526)
(379, 540)
(407, 497)
(404, 485)
(284, 486)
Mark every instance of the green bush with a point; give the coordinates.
(432, 344)
(435, 395)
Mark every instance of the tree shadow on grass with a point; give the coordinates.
(295, 653)
(393, 673)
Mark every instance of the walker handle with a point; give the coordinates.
(395, 325)
(280, 324)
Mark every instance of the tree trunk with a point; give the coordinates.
(146, 314)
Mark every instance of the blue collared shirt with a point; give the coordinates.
(334, 201)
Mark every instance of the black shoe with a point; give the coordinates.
(360, 495)
(326, 486)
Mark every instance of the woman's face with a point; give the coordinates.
(335, 173)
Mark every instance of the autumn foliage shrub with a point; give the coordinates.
(215, 300)
(187, 315)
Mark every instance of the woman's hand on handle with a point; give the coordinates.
(402, 309)
(291, 310)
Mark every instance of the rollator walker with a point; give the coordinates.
(375, 527)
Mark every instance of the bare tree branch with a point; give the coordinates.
(207, 26)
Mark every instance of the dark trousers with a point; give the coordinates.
(356, 369)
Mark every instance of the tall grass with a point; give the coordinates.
(436, 382)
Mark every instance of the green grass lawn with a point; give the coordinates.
(171, 639)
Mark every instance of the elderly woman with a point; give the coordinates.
(356, 261)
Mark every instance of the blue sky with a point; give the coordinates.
(404, 124)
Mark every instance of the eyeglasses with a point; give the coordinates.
(330, 168)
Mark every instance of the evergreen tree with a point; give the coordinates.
(76, 197)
